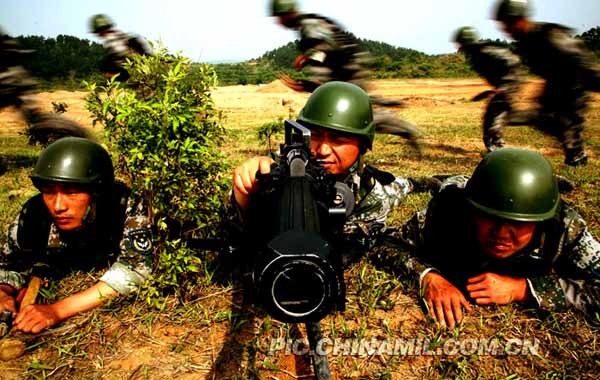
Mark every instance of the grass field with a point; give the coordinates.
(218, 336)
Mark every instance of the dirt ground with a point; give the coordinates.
(218, 337)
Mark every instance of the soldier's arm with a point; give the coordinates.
(575, 278)
(400, 250)
(134, 264)
(35, 318)
(316, 40)
(573, 50)
(8, 275)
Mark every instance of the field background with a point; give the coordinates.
(217, 336)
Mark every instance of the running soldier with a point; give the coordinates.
(16, 87)
(333, 54)
(552, 53)
(82, 220)
(119, 46)
(501, 69)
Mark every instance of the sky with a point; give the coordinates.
(237, 30)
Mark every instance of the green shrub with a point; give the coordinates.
(166, 131)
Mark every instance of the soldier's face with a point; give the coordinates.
(501, 238)
(68, 204)
(338, 151)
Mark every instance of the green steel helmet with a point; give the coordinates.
(279, 7)
(514, 184)
(466, 36)
(74, 160)
(343, 107)
(507, 10)
(100, 23)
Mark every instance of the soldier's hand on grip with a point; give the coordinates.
(244, 178)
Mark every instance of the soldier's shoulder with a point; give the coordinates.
(571, 220)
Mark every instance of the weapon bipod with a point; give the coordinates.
(320, 364)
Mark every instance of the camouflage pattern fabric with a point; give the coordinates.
(333, 53)
(119, 46)
(552, 53)
(501, 68)
(131, 256)
(15, 82)
(561, 265)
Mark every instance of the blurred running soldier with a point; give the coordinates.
(82, 220)
(501, 69)
(16, 87)
(552, 53)
(333, 54)
(119, 46)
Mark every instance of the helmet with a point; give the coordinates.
(343, 107)
(74, 160)
(514, 184)
(100, 23)
(279, 7)
(465, 36)
(511, 9)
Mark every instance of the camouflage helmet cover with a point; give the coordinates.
(343, 107)
(465, 36)
(100, 23)
(514, 184)
(74, 160)
(507, 10)
(279, 7)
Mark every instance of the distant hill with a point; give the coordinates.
(66, 60)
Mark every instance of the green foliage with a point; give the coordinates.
(267, 130)
(591, 38)
(64, 59)
(164, 126)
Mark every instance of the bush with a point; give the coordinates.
(166, 131)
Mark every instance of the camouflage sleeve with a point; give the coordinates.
(368, 220)
(134, 263)
(400, 250)
(574, 50)
(317, 39)
(10, 249)
(575, 279)
(512, 73)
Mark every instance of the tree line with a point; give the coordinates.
(66, 60)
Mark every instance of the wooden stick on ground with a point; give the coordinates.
(13, 347)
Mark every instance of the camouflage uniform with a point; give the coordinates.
(116, 234)
(567, 67)
(119, 47)
(501, 68)
(561, 264)
(367, 223)
(15, 82)
(333, 53)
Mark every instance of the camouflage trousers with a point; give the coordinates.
(561, 115)
(494, 121)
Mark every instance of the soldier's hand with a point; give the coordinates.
(35, 318)
(7, 302)
(244, 178)
(491, 288)
(444, 300)
(300, 61)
